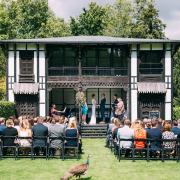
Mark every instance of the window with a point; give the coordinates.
(26, 62)
(151, 62)
(104, 57)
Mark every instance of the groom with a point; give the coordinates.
(102, 107)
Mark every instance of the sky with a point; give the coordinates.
(169, 12)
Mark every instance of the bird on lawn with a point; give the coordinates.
(76, 170)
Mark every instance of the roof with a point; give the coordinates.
(26, 88)
(89, 40)
(149, 87)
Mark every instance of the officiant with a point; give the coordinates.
(103, 106)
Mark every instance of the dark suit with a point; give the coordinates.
(176, 131)
(102, 108)
(41, 131)
(154, 133)
(9, 131)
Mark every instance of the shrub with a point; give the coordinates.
(176, 112)
(2, 89)
(7, 109)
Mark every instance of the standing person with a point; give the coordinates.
(84, 112)
(120, 110)
(114, 104)
(102, 107)
(93, 115)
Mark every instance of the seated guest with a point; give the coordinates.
(9, 131)
(155, 134)
(16, 124)
(117, 124)
(55, 130)
(24, 131)
(176, 129)
(72, 135)
(140, 133)
(126, 133)
(148, 125)
(2, 125)
(167, 134)
(42, 131)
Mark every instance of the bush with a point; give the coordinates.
(2, 89)
(7, 109)
(176, 112)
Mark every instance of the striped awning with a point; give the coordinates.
(151, 87)
(26, 88)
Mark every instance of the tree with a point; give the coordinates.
(29, 19)
(91, 21)
(146, 22)
(121, 15)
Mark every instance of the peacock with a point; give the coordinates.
(76, 171)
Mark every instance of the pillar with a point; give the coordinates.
(168, 81)
(42, 82)
(133, 84)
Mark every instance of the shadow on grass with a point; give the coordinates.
(86, 178)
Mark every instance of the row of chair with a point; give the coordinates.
(34, 150)
(154, 149)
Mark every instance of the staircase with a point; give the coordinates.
(94, 131)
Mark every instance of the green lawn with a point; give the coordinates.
(103, 166)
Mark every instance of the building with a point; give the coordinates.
(45, 71)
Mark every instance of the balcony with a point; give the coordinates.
(88, 71)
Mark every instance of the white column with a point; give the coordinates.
(17, 66)
(10, 80)
(35, 67)
(42, 83)
(133, 81)
(168, 78)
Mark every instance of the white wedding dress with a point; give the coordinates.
(93, 115)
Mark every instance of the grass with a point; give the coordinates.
(103, 166)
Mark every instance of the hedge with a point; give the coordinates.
(7, 109)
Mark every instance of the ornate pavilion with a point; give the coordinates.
(45, 71)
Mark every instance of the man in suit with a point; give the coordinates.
(156, 134)
(102, 107)
(9, 131)
(176, 129)
(39, 132)
(126, 133)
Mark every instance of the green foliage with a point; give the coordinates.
(2, 63)
(7, 109)
(176, 73)
(29, 19)
(176, 112)
(121, 16)
(91, 21)
(146, 21)
(2, 89)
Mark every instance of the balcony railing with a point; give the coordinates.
(88, 71)
(26, 78)
(63, 71)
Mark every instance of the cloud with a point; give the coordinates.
(67, 8)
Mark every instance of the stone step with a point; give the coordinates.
(94, 131)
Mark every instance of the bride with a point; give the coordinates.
(93, 115)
